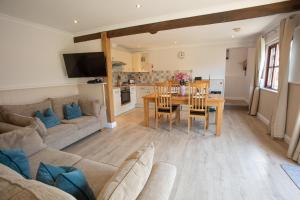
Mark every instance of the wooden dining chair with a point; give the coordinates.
(163, 104)
(198, 103)
(175, 86)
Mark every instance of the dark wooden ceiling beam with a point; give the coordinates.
(221, 17)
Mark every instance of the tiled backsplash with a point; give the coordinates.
(150, 77)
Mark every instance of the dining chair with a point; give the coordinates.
(198, 103)
(175, 86)
(163, 104)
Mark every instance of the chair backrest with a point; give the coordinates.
(175, 86)
(198, 96)
(203, 81)
(163, 96)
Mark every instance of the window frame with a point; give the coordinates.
(269, 48)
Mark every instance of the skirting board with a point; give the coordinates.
(287, 139)
(263, 119)
(111, 125)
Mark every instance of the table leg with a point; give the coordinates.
(146, 112)
(219, 118)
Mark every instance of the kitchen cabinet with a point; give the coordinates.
(123, 56)
(142, 91)
(140, 62)
(117, 101)
(118, 107)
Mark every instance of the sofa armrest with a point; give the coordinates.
(160, 182)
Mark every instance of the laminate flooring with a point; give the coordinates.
(242, 164)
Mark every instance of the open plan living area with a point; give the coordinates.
(149, 100)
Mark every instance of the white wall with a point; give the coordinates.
(30, 55)
(203, 60)
(237, 83)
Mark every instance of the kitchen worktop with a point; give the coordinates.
(136, 84)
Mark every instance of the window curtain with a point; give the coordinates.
(294, 145)
(259, 64)
(278, 122)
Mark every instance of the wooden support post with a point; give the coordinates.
(109, 87)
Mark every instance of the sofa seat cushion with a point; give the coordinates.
(59, 132)
(58, 104)
(160, 182)
(6, 127)
(131, 177)
(27, 109)
(82, 122)
(52, 156)
(14, 187)
(97, 174)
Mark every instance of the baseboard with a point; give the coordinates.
(111, 125)
(237, 99)
(263, 119)
(287, 139)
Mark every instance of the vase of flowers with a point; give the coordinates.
(183, 79)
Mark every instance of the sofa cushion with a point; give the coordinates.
(68, 179)
(23, 121)
(59, 132)
(27, 109)
(58, 104)
(14, 187)
(52, 156)
(90, 107)
(72, 111)
(97, 174)
(160, 182)
(49, 118)
(82, 121)
(131, 177)
(16, 160)
(6, 127)
(26, 139)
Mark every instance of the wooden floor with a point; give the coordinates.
(243, 163)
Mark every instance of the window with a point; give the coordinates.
(272, 68)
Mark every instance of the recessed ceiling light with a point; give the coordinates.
(138, 5)
(232, 36)
(175, 42)
(236, 30)
(75, 21)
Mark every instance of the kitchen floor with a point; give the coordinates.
(242, 164)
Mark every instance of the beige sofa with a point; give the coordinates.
(158, 186)
(66, 133)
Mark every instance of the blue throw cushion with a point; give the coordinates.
(72, 111)
(49, 118)
(68, 179)
(16, 160)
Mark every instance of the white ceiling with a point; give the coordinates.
(201, 35)
(99, 15)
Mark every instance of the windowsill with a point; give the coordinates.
(269, 90)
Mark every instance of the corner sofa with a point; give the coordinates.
(158, 185)
(64, 134)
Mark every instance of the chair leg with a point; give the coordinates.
(170, 121)
(207, 121)
(189, 124)
(178, 115)
(156, 120)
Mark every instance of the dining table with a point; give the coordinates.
(214, 100)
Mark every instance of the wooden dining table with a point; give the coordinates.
(215, 100)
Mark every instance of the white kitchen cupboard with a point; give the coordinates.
(123, 56)
(117, 101)
(132, 97)
(140, 62)
(118, 107)
(142, 91)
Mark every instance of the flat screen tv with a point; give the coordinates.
(85, 64)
